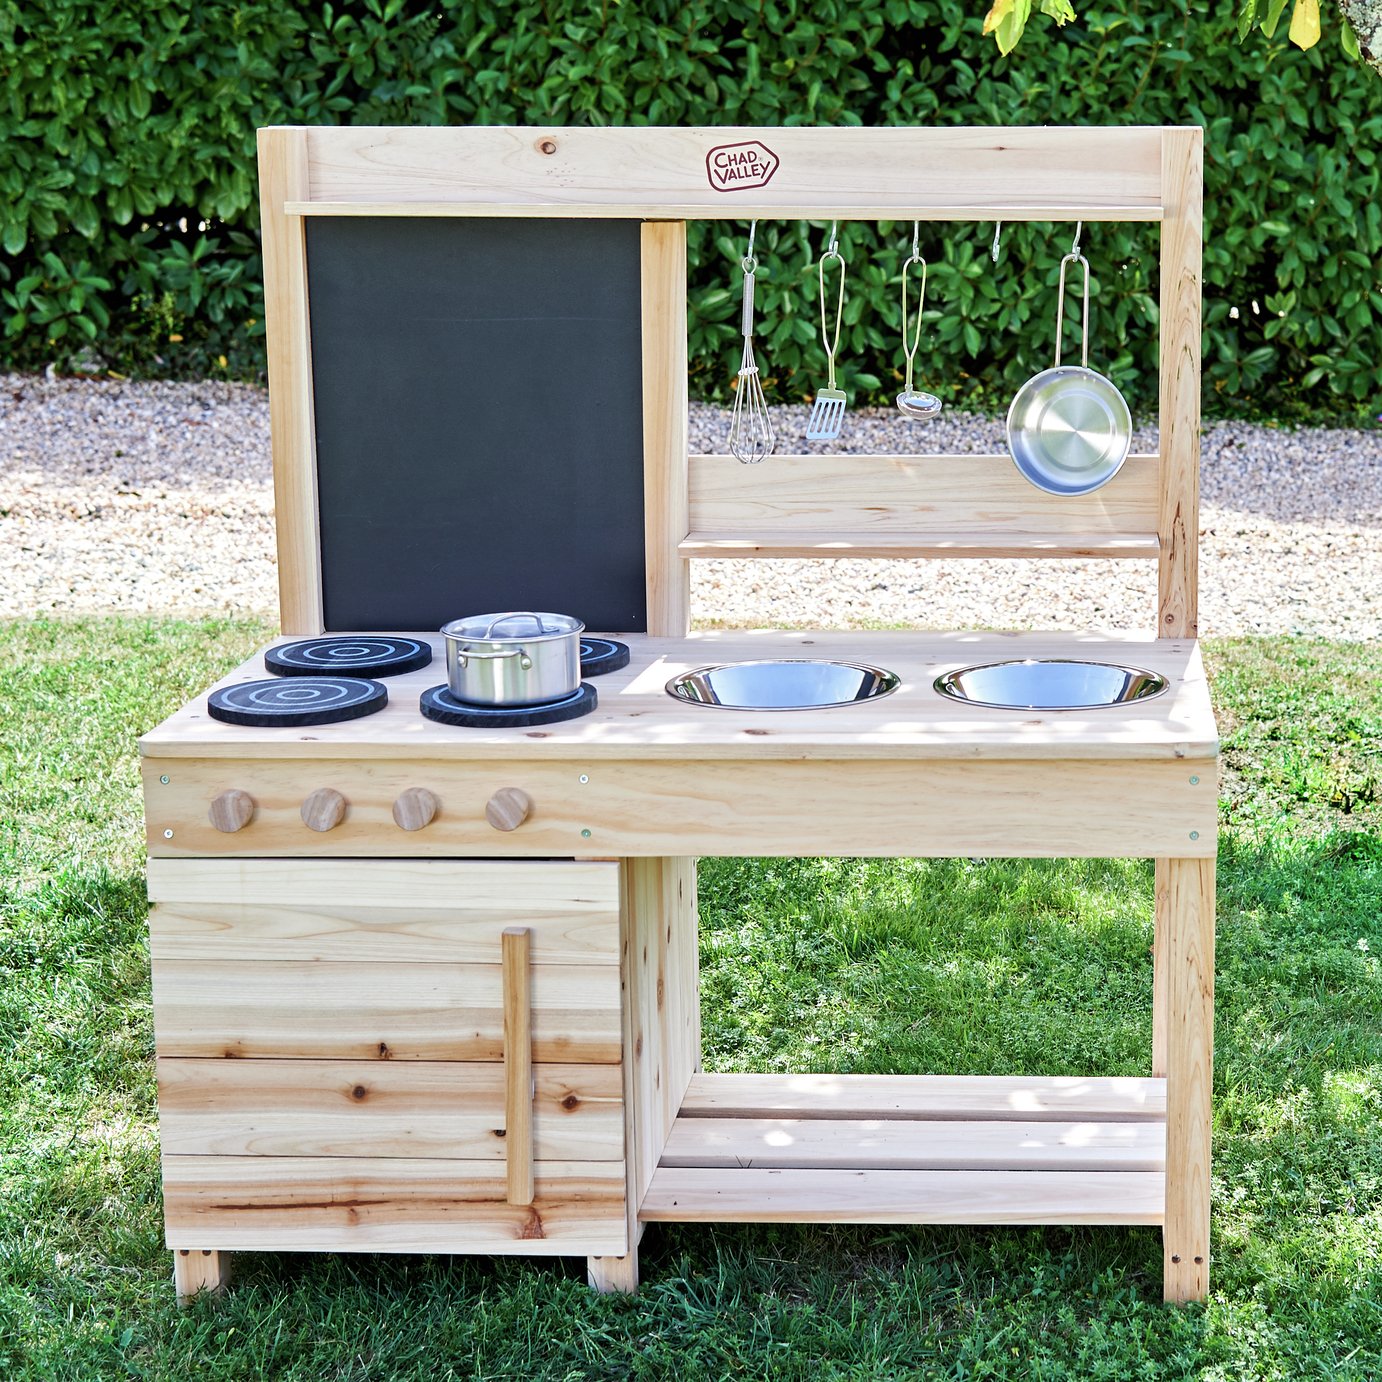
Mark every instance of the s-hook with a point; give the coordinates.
(912, 402)
(751, 435)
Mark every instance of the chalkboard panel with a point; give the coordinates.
(478, 396)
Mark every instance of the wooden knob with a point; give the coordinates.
(231, 810)
(324, 809)
(415, 808)
(508, 808)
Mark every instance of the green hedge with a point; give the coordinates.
(127, 174)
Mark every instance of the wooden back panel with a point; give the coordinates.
(697, 506)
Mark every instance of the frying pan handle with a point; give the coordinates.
(1074, 257)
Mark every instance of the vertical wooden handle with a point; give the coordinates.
(516, 944)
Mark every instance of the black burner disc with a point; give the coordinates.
(437, 703)
(354, 655)
(601, 655)
(299, 701)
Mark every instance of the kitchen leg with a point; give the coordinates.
(199, 1269)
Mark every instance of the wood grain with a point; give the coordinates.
(966, 1098)
(971, 173)
(508, 808)
(323, 809)
(284, 177)
(380, 1011)
(1182, 236)
(415, 809)
(751, 1196)
(518, 1064)
(1189, 958)
(381, 1204)
(231, 810)
(665, 426)
(395, 1108)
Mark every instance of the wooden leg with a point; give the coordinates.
(1188, 957)
(614, 1274)
(1162, 895)
(199, 1269)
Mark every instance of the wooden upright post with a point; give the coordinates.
(1178, 525)
(283, 179)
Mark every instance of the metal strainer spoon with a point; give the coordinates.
(914, 403)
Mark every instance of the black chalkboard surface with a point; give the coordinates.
(479, 414)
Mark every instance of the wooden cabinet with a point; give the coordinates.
(337, 1058)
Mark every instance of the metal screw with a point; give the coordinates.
(164, 779)
(585, 834)
(1194, 782)
(1194, 834)
(585, 777)
(167, 834)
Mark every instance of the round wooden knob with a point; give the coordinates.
(231, 810)
(508, 808)
(415, 808)
(324, 810)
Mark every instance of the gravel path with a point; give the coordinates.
(156, 499)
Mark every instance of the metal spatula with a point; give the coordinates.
(828, 411)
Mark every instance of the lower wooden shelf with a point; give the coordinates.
(914, 1149)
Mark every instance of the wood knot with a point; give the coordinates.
(358, 1092)
(547, 145)
(384, 1052)
(570, 1102)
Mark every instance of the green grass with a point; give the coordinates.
(1022, 966)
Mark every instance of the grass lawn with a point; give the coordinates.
(1024, 967)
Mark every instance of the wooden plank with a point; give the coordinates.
(916, 1145)
(1181, 255)
(690, 210)
(518, 1065)
(380, 1011)
(1024, 1098)
(400, 1108)
(760, 803)
(283, 177)
(199, 1269)
(694, 1195)
(1040, 172)
(1109, 546)
(1189, 957)
(380, 1204)
(936, 498)
(636, 719)
(664, 426)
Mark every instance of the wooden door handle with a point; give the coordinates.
(324, 810)
(508, 808)
(231, 810)
(516, 952)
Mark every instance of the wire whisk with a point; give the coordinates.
(751, 435)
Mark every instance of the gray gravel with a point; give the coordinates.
(156, 498)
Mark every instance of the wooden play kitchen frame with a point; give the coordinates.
(460, 1033)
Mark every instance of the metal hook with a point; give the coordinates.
(1075, 248)
(833, 246)
(748, 263)
(997, 238)
(916, 239)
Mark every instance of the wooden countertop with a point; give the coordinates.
(636, 719)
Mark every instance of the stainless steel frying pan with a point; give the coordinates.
(1069, 429)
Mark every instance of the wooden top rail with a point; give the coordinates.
(1020, 173)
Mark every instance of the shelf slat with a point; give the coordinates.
(963, 1097)
(700, 1195)
(865, 544)
(915, 1145)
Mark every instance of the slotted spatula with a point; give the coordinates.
(828, 411)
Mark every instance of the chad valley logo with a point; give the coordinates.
(734, 167)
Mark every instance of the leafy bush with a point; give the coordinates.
(127, 183)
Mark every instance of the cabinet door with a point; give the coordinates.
(332, 1054)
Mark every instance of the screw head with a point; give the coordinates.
(585, 834)
(167, 834)
(164, 779)
(1194, 834)
(585, 777)
(1194, 782)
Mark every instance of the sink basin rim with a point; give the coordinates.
(889, 682)
(946, 680)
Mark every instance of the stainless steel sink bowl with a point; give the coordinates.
(1050, 684)
(787, 685)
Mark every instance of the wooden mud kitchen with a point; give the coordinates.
(425, 968)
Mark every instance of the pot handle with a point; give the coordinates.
(518, 614)
(1074, 257)
(526, 663)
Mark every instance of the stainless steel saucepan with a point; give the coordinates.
(514, 659)
(1069, 428)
